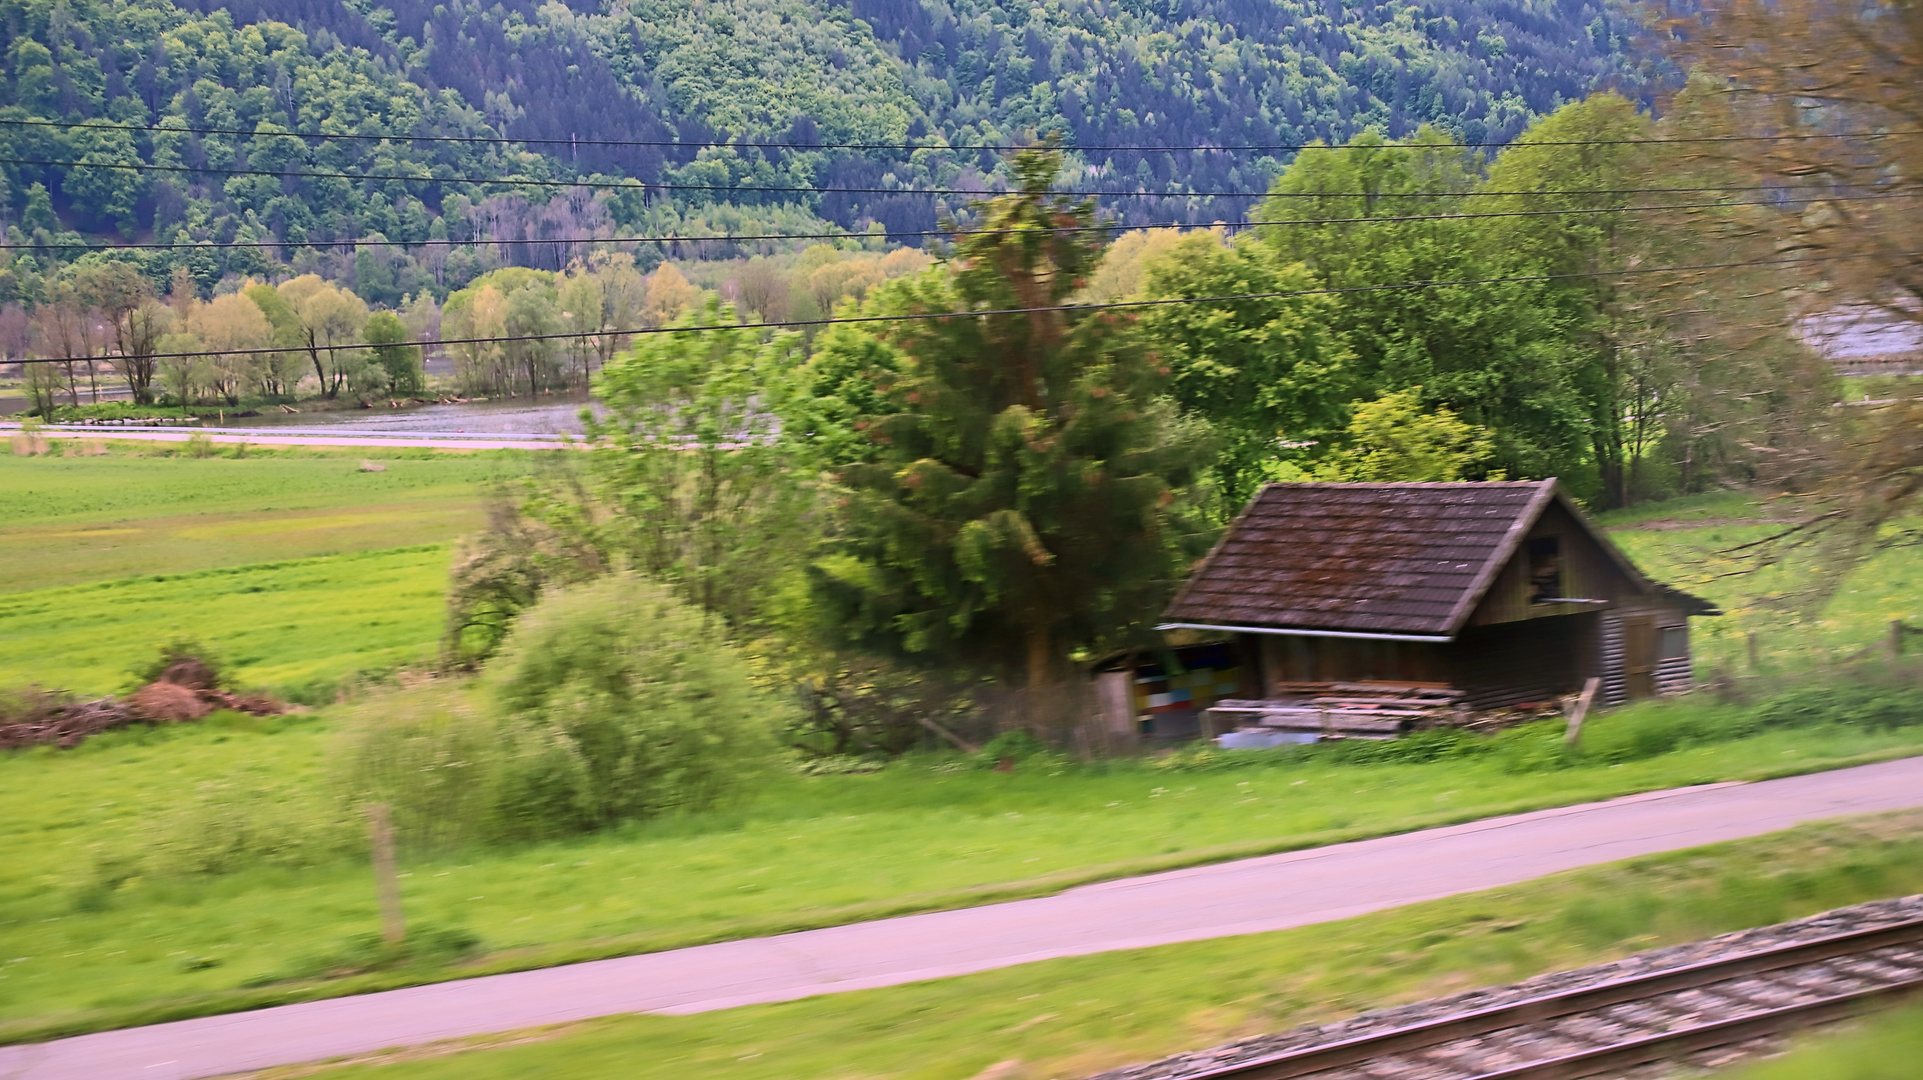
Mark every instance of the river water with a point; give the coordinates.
(547, 418)
(551, 417)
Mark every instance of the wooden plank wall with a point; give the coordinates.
(1587, 573)
(1290, 658)
(1535, 661)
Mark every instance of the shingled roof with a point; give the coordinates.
(1365, 558)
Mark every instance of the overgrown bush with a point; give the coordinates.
(225, 827)
(1868, 705)
(611, 701)
(432, 755)
(1011, 748)
(620, 701)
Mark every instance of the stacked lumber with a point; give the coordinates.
(1340, 710)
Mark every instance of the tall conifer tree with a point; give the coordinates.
(1027, 491)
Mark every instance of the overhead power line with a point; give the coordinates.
(211, 245)
(639, 185)
(788, 324)
(676, 144)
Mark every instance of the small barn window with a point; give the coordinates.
(1675, 642)
(1545, 570)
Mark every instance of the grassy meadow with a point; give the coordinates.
(1676, 542)
(104, 940)
(306, 572)
(300, 627)
(1074, 1017)
(72, 520)
(298, 567)
(1885, 1047)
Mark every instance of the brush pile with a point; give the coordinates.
(185, 690)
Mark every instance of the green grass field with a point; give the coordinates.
(811, 851)
(298, 567)
(71, 520)
(1065, 1018)
(1676, 542)
(299, 628)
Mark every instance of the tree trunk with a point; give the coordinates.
(320, 373)
(1039, 659)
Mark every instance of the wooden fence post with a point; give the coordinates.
(1574, 735)
(387, 882)
(1897, 630)
(1755, 658)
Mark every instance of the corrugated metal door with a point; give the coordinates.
(1639, 657)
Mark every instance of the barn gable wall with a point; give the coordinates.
(1588, 573)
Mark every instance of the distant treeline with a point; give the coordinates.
(798, 72)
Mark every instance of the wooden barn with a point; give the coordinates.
(1488, 595)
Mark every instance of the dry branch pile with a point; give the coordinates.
(185, 692)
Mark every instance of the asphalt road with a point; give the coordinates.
(1254, 895)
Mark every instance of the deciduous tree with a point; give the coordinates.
(328, 319)
(1265, 372)
(689, 466)
(400, 365)
(1822, 100)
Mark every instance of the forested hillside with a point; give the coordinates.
(112, 76)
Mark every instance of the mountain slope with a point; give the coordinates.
(687, 73)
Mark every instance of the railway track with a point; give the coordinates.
(1612, 1020)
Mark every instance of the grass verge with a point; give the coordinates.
(107, 948)
(1887, 1047)
(1073, 1017)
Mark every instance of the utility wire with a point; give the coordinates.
(211, 245)
(637, 185)
(925, 316)
(759, 145)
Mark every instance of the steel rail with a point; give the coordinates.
(1422, 1034)
(1630, 1053)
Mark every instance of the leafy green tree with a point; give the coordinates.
(400, 364)
(1491, 353)
(532, 315)
(39, 213)
(105, 194)
(1394, 439)
(121, 293)
(1613, 347)
(282, 372)
(688, 465)
(327, 318)
(1263, 372)
(1031, 492)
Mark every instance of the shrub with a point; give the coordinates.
(1013, 746)
(610, 702)
(221, 828)
(432, 756)
(619, 701)
(1868, 705)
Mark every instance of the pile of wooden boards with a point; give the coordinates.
(1341, 710)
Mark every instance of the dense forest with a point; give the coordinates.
(92, 83)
